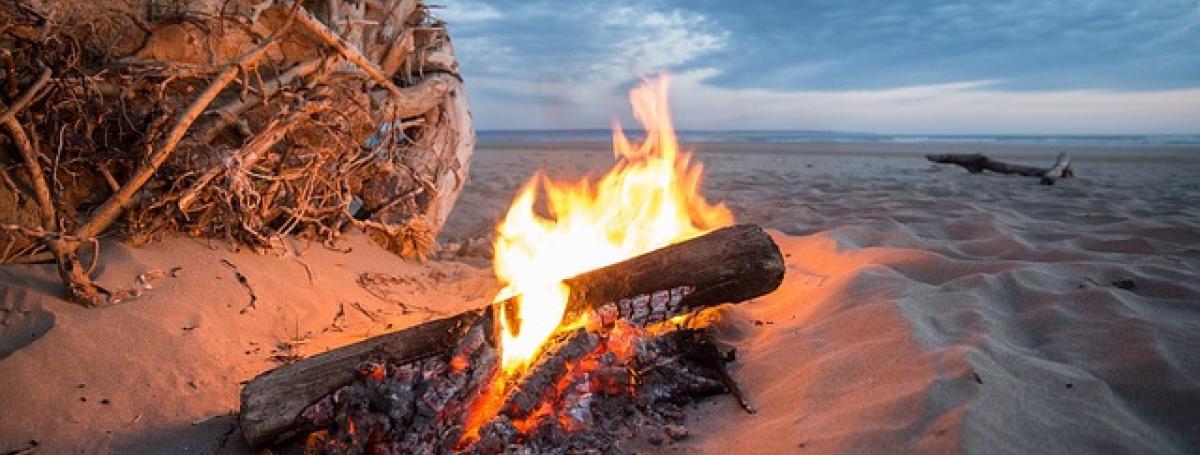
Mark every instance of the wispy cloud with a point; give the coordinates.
(469, 11)
(868, 65)
(585, 41)
(978, 106)
(645, 41)
(973, 106)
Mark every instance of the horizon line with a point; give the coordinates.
(846, 132)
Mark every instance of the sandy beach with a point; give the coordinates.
(924, 309)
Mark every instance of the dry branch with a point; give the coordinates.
(251, 153)
(112, 208)
(28, 154)
(346, 49)
(229, 113)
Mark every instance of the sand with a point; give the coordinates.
(924, 309)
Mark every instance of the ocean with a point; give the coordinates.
(783, 136)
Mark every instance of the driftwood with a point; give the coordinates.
(976, 163)
(732, 264)
(246, 120)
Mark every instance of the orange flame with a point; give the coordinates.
(649, 199)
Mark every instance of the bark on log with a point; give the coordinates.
(731, 264)
(272, 401)
(976, 163)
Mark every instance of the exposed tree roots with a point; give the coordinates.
(238, 119)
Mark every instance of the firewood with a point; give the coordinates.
(567, 349)
(976, 163)
(272, 401)
(731, 264)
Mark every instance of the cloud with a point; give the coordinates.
(468, 11)
(972, 106)
(586, 41)
(646, 41)
(921, 66)
(1030, 44)
(486, 55)
(976, 106)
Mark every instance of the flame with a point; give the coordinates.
(649, 199)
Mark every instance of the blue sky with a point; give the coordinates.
(1001, 67)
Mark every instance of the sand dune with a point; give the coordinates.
(924, 309)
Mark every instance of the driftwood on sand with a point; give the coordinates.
(727, 265)
(236, 119)
(976, 163)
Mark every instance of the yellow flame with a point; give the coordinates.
(649, 199)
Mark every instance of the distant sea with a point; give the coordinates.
(773, 136)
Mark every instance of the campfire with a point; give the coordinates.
(592, 341)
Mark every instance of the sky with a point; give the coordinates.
(878, 66)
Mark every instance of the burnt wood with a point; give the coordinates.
(731, 264)
(272, 401)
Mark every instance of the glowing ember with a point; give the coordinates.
(649, 199)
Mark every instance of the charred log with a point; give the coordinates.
(272, 401)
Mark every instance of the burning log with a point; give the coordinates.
(976, 163)
(732, 264)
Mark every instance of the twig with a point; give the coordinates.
(241, 279)
(40, 188)
(713, 356)
(346, 49)
(28, 97)
(307, 270)
(115, 204)
(254, 150)
(227, 114)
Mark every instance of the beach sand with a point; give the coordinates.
(924, 309)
